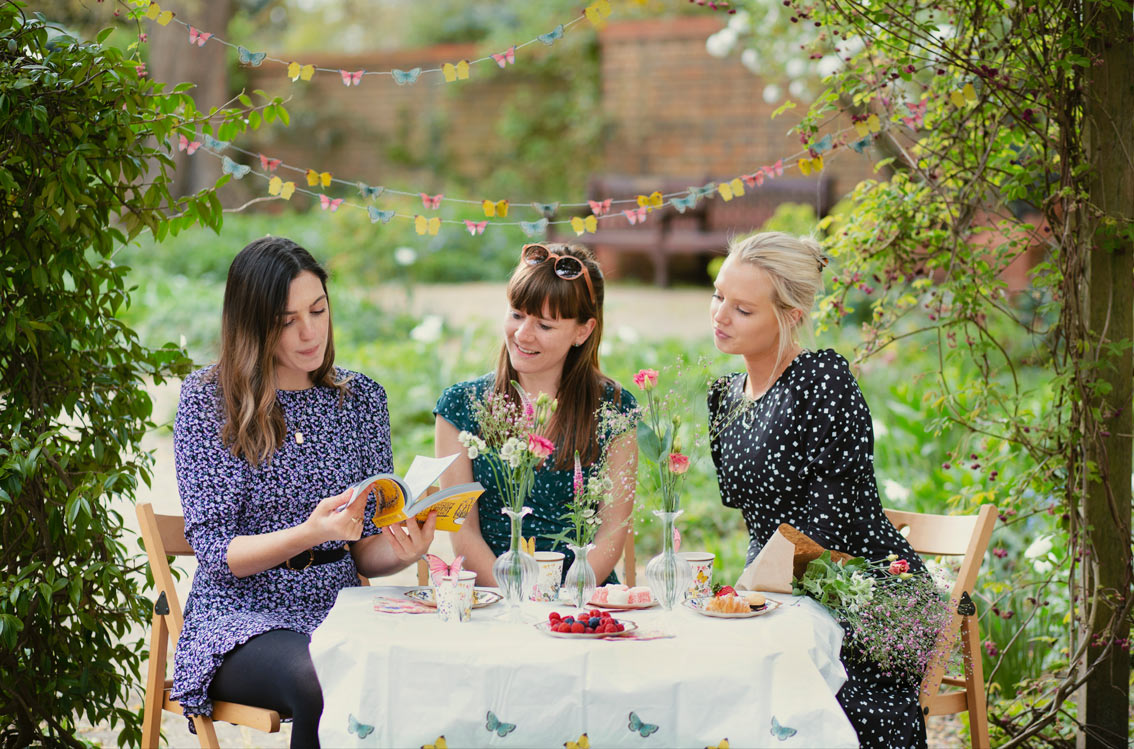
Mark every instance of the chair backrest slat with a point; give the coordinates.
(163, 536)
(935, 535)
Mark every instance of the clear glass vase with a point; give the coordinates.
(515, 571)
(667, 574)
(580, 583)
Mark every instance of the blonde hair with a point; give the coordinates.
(795, 267)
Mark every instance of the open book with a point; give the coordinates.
(403, 498)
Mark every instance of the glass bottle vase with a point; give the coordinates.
(580, 583)
(515, 571)
(667, 574)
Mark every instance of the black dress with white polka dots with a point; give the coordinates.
(803, 453)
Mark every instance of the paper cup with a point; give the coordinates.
(701, 563)
(550, 576)
(454, 597)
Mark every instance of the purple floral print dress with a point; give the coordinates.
(331, 442)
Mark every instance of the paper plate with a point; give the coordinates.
(698, 605)
(545, 627)
(481, 597)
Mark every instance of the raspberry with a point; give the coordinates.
(620, 627)
(553, 617)
(578, 628)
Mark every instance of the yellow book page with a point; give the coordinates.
(390, 503)
(452, 511)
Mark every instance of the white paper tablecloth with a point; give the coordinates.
(409, 678)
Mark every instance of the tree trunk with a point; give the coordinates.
(1104, 701)
(173, 60)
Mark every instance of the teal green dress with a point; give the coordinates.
(553, 488)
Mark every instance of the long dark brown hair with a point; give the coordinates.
(530, 290)
(255, 299)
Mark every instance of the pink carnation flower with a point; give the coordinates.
(540, 446)
(646, 379)
(898, 566)
(678, 463)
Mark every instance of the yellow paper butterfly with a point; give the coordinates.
(811, 166)
(730, 190)
(722, 745)
(296, 71)
(597, 13)
(314, 178)
(583, 742)
(425, 225)
(499, 208)
(440, 743)
(968, 93)
(278, 187)
(582, 225)
(527, 545)
(155, 13)
(452, 72)
(650, 202)
(870, 125)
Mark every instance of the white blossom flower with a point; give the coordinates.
(1039, 547)
(405, 256)
(428, 330)
(894, 491)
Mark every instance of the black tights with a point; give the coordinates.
(274, 670)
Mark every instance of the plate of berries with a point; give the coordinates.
(585, 625)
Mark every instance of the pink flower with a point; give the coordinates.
(578, 475)
(646, 379)
(540, 446)
(140, 70)
(898, 566)
(142, 38)
(678, 463)
(999, 553)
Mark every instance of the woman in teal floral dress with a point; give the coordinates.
(552, 332)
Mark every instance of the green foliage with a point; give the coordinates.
(86, 161)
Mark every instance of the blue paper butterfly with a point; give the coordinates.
(213, 144)
(377, 215)
(367, 191)
(637, 724)
(552, 36)
(823, 144)
(534, 228)
(684, 204)
(783, 733)
(492, 723)
(547, 209)
(362, 730)
(228, 166)
(251, 58)
(701, 192)
(860, 145)
(402, 77)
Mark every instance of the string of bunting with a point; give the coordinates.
(808, 161)
(596, 13)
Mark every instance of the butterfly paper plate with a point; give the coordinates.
(481, 596)
(545, 627)
(698, 605)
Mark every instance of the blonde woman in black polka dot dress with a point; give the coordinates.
(792, 442)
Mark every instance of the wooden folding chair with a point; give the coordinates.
(163, 537)
(954, 535)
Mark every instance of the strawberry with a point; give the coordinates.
(726, 590)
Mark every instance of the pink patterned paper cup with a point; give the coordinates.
(454, 597)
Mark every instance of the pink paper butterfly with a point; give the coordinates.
(635, 215)
(438, 568)
(775, 170)
(269, 165)
(475, 227)
(432, 201)
(599, 207)
(505, 57)
(756, 178)
(917, 114)
(184, 144)
(198, 37)
(351, 79)
(328, 204)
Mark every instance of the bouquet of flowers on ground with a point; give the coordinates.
(510, 441)
(658, 441)
(893, 617)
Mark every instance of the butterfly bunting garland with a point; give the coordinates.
(492, 723)
(198, 37)
(552, 36)
(494, 209)
(642, 728)
(548, 210)
(188, 146)
(684, 204)
(597, 13)
(269, 165)
(247, 57)
(962, 97)
(917, 115)
(859, 146)
(534, 228)
(651, 201)
(357, 727)
(870, 125)
(783, 733)
(441, 743)
(295, 71)
(775, 170)
(811, 166)
(405, 77)
(731, 189)
(458, 72)
(423, 225)
(368, 192)
(475, 227)
(823, 145)
(351, 79)
(238, 171)
(635, 215)
(315, 178)
(584, 225)
(432, 202)
(377, 215)
(599, 207)
(328, 204)
(213, 144)
(583, 742)
(155, 13)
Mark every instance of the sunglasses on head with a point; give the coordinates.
(567, 267)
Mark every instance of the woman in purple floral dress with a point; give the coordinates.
(266, 443)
